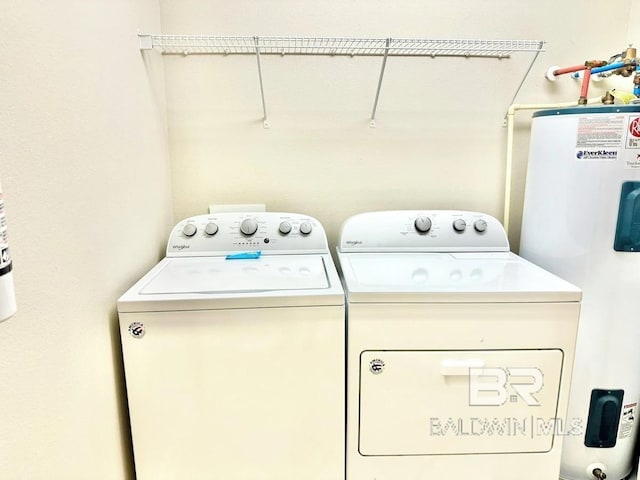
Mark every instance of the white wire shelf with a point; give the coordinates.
(339, 46)
(336, 46)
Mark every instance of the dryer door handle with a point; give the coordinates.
(459, 366)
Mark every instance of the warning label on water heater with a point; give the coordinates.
(600, 132)
(627, 419)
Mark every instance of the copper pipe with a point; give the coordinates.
(585, 87)
(562, 71)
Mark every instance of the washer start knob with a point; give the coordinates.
(422, 224)
(249, 226)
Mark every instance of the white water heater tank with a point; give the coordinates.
(581, 221)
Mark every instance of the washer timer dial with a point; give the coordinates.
(422, 224)
(249, 226)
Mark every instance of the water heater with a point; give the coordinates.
(7, 293)
(581, 221)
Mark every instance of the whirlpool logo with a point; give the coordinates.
(600, 154)
(353, 243)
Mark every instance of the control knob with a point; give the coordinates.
(422, 224)
(189, 229)
(459, 225)
(480, 225)
(249, 226)
(284, 228)
(211, 229)
(305, 228)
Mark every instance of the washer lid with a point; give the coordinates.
(211, 283)
(450, 277)
(217, 275)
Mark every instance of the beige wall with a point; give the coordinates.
(84, 167)
(439, 141)
(84, 164)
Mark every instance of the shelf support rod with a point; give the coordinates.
(265, 123)
(372, 123)
(524, 78)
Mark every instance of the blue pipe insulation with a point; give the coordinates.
(606, 68)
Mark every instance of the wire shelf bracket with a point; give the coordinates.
(337, 46)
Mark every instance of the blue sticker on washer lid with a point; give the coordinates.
(244, 255)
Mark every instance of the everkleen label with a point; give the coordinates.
(596, 154)
(5, 258)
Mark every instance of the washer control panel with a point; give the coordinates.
(423, 231)
(225, 233)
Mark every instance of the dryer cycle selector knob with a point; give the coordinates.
(249, 226)
(284, 228)
(305, 228)
(480, 225)
(189, 229)
(422, 224)
(459, 225)
(211, 229)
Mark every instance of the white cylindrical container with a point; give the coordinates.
(581, 221)
(7, 293)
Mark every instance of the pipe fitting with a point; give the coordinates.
(608, 98)
(551, 73)
(595, 63)
(630, 53)
(628, 69)
(599, 474)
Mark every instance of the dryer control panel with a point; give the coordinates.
(219, 234)
(423, 231)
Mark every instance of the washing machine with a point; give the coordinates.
(233, 352)
(459, 353)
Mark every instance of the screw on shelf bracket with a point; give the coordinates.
(265, 123)
(372, 123)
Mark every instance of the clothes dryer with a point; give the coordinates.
(459, 352)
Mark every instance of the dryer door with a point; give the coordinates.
(458, 402)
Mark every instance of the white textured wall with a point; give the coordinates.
(439, 140)
(84, 167)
